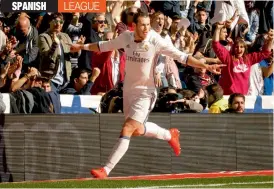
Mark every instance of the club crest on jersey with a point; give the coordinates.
(145, 47)
(142, 48)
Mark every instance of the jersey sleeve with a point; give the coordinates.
(117, 43)
(168, 49)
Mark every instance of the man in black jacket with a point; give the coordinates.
(80, 82)
(93, 30)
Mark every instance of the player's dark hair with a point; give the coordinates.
(139, 13)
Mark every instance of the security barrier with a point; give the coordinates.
(43, 147)
(73, 104)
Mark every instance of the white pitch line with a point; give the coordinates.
(201, 185)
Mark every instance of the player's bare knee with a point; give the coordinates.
(130, 127)
(137, 132)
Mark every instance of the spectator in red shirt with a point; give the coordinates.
(112, 67)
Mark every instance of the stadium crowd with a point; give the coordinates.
(37, 65)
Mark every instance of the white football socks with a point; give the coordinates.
(155, 131)
(117, 153)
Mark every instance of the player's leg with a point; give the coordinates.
(172, 136)
(119, 149)
(130, 126)
(153, 130)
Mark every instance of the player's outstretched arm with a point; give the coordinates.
(88, 47)
(169, 50)
(215, 68)
(104, 46)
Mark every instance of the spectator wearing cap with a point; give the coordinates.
(80, 82)
(54, 48)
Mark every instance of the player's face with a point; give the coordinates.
(158, 23)
(142, 28)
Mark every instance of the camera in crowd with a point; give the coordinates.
(168, 101)
(112, 101)
(163, 105)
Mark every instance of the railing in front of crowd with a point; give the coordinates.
(88, 103)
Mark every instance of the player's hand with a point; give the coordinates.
(215, 68)
(75, 48)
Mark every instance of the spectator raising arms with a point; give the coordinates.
(235, 76)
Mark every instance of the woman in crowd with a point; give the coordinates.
(235, 75)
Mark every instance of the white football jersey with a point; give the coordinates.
(141, 58)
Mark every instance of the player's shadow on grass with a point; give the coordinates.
(5, 174)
